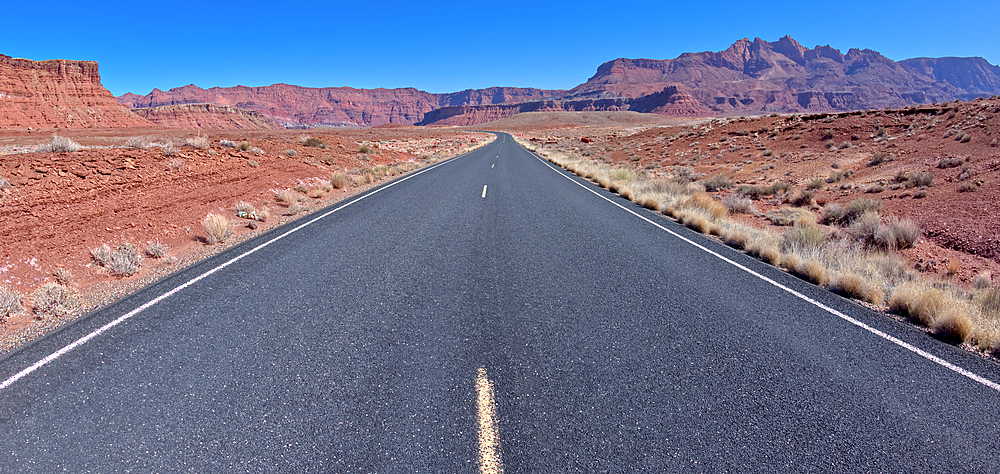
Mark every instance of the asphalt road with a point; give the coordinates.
(371, 339)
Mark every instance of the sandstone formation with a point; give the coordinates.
(58, 94)
(294, 106)
(783, 76)
(206, 116)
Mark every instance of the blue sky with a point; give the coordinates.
(447, 46)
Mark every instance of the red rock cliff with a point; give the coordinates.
(206, 116)
(58, 94)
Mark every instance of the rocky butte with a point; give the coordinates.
(58, 94)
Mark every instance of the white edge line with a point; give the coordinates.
(83, 340)
(931, 357)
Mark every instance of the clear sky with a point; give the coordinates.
(448, 46)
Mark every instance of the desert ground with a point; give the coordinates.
(152, 188)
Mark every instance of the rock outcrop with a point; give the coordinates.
(206, 116)
(58, 94)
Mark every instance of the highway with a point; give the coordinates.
(492, 314)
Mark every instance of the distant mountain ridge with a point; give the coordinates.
(334, 106)
(749, 77)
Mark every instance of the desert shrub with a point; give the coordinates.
(227, 144)
(101, 255)
(874, 188)
(919, 178)
(169, 149)
(989, 300)
(137, 143)
(297, 208)
(805, 198)
(63, 144)
(808, 269)
(965, 174)
(816, 184)
(778, 187)
(828, 135)
(256, 151)
(156, 250)
(835, 214)
(245, 210)
(291, 152)
(752, 192)
(803, 236)
(879, 158)
(738, 204)
(950, 162)
(302, 189)
(338, 181)
(10, 302)
(217, 228)
(53, 299)
(920, 194)
(982, 280)
(717, 183)
(199, 142)
(61, 275)
(904, 233)
(967, 187)
(844, 145)
(787, 216)
(313, 142)
(244, 146)
(953, 325)
(125, 260)
(687, 173)
(365, 149)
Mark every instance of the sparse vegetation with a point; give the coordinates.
(717, 183)
(286, 197)
(62, 145)
(835, 214)
(244, 146)
(54, 300)
(879, 158)
(227, 144)
(137, 143)
(738, 204)
(199, 141)
(217, 227)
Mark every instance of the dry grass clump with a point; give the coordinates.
(137, 143)
(803, 236)
(983, 280)
(787, 216)
(156, 250)
(947, 315)
(286, 196)
(855, 286)
(338, 181)
(764, 248)
(227, 144)
(169, 149)
(808, 269)
(835, 214)
(10, 302)
(894, 234)
(709, 205)
(217, 227)
(297, 208)
(53, 299)
(199, 141)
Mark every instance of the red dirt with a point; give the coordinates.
(957, 225)
(57, 206)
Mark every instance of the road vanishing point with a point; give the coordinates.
(492, 313)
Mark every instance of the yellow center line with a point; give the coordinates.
(484, 191)
(489, 440)
(491, 166)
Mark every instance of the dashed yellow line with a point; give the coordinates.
(484, 191)
(494, 164)
(489, 439)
